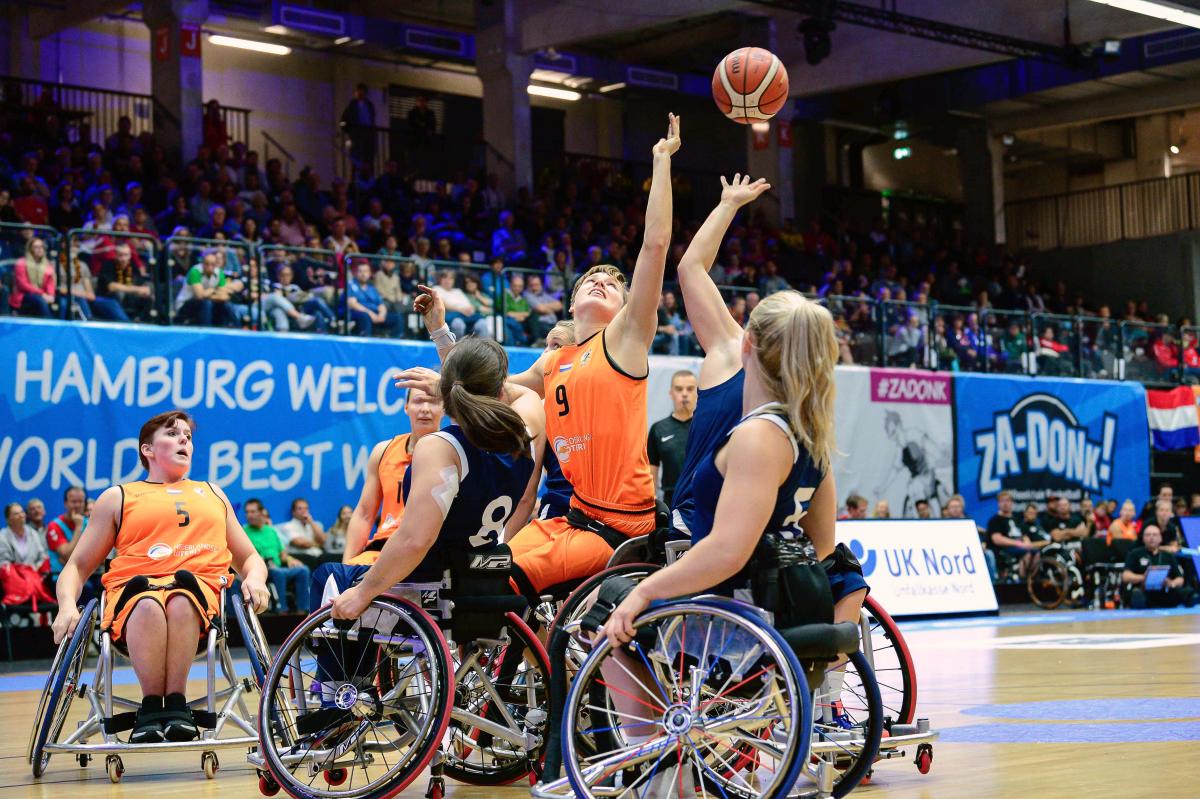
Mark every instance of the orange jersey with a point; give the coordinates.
(392, 468)
(596, 423)
(165, 528)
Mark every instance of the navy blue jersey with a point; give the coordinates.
(556, 491)
(489, 487)
(791, 500)
(718, 409)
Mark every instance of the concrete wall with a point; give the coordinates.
(1164, 270)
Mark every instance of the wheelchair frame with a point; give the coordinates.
(101, 699)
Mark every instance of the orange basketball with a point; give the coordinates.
(750, 85)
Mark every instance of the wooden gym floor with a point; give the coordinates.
(1047, 705)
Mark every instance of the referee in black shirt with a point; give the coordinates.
(667, 441)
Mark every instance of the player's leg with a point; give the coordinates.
(183, 631)
(145, 636)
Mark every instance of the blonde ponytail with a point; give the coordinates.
(472, 378)
(796, 349)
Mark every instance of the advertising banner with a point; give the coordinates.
(920, 567)
(278, 416)
(1040, 437)
(895, 436)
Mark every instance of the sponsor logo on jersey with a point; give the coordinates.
(174, 490)
(665, 439)
(586, 359)
(161, 551)
(491, 561)
(158, 551)
(564, 446)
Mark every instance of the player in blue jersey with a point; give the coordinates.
(469, 483)
(772, 472)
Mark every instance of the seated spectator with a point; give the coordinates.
(19, 543)
(883, 510)
(1166, 353)
(218, 222)
(460, 313)
(1126, 526)
(305, 536)
(560, 274)
(29, 204)
(1173, 591)
(291, 227)
(1007, 537)
(126, 284)
(62, 534)
(1060, 522)
(387, 283)
(282, 569)
(907, 343)
(204, 297)
(35, 517)
(337, 530)
(508, 242)
(33, 282)
(544, 308)
(493, 282)
(421, 259)
(516, 311)
(306, 301)
(275, 307)
(366, 306)
(339, 240)
(481, 302)
(856, 507)
(1167, 524)
(670, 330)
(924, 511)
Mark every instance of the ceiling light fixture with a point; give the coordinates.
(556, 94)
(612, 87)
(1174, 149)
(1171, 12)
(247, 44)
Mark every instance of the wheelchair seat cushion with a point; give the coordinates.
(822, 641)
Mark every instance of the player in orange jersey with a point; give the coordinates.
(175, 540)
(594, 394)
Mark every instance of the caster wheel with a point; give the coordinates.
(114, 767)
(437, 789)
(267, 786)
(209, 764)
(924, 758)
(336, 776)
(83, 760)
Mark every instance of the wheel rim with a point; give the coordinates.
(61, 687)
(374, 703)
(741, 689)
(892, 665)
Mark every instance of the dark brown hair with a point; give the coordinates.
(153, 425)
(472, 378)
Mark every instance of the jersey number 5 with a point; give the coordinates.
(182, 511)
(493, 524)
(560, 396)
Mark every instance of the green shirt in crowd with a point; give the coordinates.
(266, 543)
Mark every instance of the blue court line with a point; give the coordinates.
(1050, 617)
(1093, 710)
(1088, 733)
(121, 676)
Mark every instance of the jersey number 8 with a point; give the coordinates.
(493, 525)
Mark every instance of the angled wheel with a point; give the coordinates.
(1048, 583)
(847, 728)
(892, 663)
(61, 686)
(699, 683)
(252, 638)
(506, 686)
(372, 697)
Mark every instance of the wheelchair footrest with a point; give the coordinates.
(120, 722)
(822, 641)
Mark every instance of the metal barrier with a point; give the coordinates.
(401, 319)
(856, 324)
(136, 284)
(1151, 352)
(904, 333)
(1057, 344)
(1010, 348)
(1100, 348)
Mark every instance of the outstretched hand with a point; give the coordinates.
(740, 190)
(427, 303)
(670, 144)
(420, 378)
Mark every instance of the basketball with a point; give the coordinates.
(750, 85)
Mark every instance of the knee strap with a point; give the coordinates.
(187, 581)
(135, 586)
(612, 593)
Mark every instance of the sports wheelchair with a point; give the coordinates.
(846, 730)
(1054, 577)
(445, 674)
(221, 710)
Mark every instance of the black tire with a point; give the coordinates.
(512, 684)
(61, 685)
(409, 626)
(866, 696)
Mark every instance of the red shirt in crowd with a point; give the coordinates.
(32, 209)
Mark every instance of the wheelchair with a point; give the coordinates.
(444, 674)
(877, 698)
(1054, 577)
(223, 710)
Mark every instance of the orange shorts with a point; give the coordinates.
(114, 621)
(365, 558)
(550, 552)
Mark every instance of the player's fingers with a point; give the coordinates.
(724, 185)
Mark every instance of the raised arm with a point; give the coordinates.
(529, 405)
(719, 335)
(632, 330)
(367, 509)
